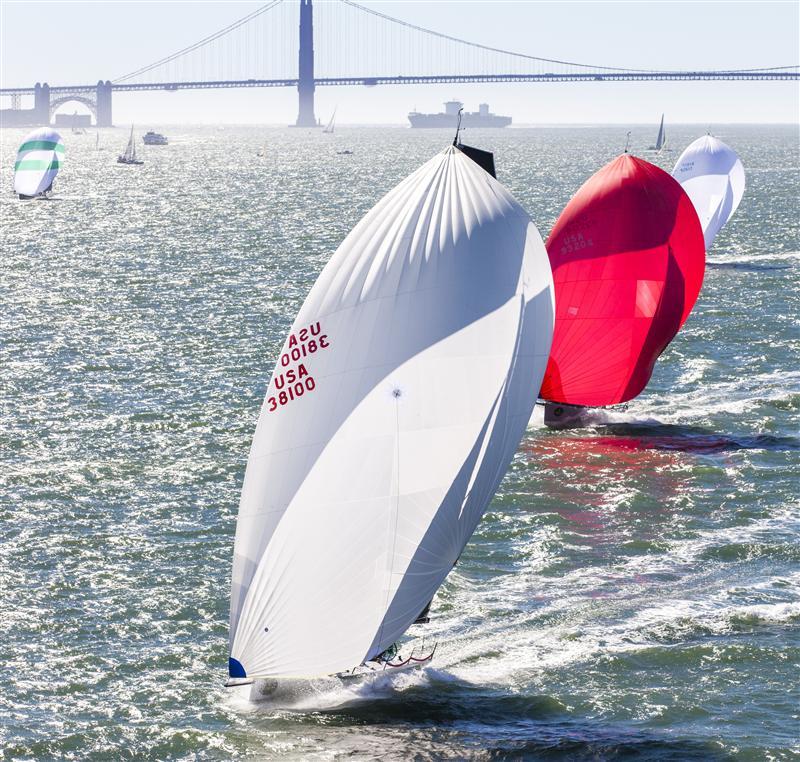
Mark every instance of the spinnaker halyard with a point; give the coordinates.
(39, 159)
(395, 407)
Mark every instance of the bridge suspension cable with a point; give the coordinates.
(478, 45)
(200, 43)
(360, 45)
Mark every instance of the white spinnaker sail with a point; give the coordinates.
(38, 160)
(397, 403)
(713, 176)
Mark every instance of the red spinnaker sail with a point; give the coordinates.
(628, 259)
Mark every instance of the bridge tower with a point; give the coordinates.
(103, 116)
(305, 73)
(41, 104)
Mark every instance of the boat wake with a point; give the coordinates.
(667, 436)
(328, 693)
(745, 266)
(765, 261)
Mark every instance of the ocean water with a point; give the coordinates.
(632, 592)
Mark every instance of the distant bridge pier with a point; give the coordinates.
(103, 114)
(41, 104)
(305, 83)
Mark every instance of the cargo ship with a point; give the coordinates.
(449, 118)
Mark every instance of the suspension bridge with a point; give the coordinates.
(340, 43)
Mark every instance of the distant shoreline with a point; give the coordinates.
(406, 126)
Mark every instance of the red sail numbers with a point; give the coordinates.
(292, 379)
(628, 259)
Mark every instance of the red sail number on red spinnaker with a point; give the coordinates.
(628, 259)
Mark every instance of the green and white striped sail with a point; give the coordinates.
(38, 160)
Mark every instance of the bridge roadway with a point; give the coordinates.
(632, 76)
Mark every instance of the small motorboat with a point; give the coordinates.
(151, 138)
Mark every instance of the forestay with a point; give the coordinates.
(713, 177)
(38, 160)
(395, 407)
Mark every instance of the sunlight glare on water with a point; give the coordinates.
(634, 587)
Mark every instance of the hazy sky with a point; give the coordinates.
(80, 42)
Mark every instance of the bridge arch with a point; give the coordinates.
(57, 102)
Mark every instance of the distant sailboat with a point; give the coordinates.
(713, 176)
(329, 128)
(661, 138)
(129, 156)
(38, 160)
(97, 141)
(628, 261)
(395, 407)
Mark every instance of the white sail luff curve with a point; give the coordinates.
(713, 177)
(38, 161)
(430, 329)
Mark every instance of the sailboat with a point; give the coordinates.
(39, 159)
(329, 128)
(129, 155)
(396, 404)
(628, 262)
(712, 175)
(97, 141)
(661, 138)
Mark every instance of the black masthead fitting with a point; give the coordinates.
(484, 159)
(458, 127)
(627, 140)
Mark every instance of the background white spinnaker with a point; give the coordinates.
(400, 396)
(712, 175)
(38, 160)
